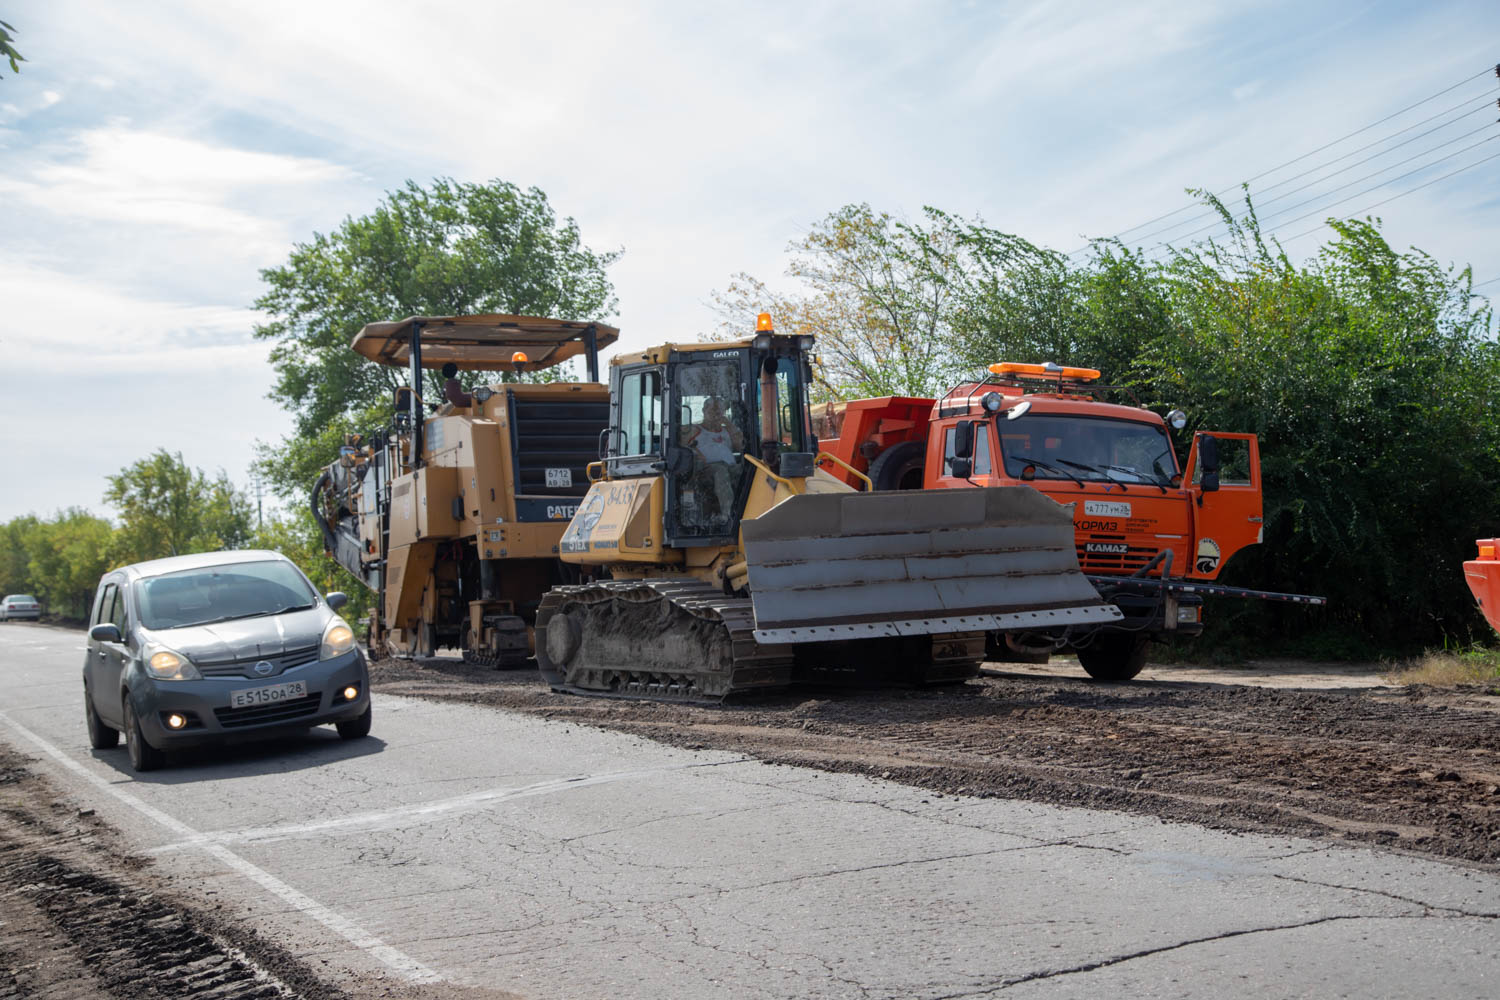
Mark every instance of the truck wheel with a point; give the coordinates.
(1113, 658)
(899, 467)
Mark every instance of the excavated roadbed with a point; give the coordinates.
(1414, 769)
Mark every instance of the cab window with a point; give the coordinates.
(640, 413)
(981, 449)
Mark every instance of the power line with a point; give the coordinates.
(1321, 197)
(1228, 190)
(1485, 102)
(1403, 194)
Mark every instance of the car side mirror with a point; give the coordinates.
(106, 632)
(1208, 459)
(963, 439)
(336, 599)
(961, 468)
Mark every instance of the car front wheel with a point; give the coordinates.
(143, 756)
(357, 727)
(101, 737)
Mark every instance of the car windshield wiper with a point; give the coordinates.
(224, 618)
(1103, 473)
(1049, 466)
(295, 607)
(1152, 480)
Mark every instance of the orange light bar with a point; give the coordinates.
(1020, 368)
(1487, 551)
(519, 358)
(763, 323)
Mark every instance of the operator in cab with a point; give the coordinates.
(715, 440)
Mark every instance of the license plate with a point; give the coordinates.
(1105, 508)
(270, 694)
(559, 477)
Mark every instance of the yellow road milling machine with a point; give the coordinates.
(737, 565)
(454, 513)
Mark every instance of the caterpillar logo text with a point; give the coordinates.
(561, 512)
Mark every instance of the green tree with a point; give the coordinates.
(446, 249)
(875, 293)
(7, 50)
(65, 558)
(167, 509)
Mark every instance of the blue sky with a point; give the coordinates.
(155, 156)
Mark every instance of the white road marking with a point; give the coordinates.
(362, 939)
(394, 819)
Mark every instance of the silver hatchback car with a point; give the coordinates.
(215, 648)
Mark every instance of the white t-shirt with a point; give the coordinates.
(715, 446)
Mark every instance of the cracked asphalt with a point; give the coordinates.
(467, 851)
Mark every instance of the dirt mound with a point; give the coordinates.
(1414, 769)
(82, 922)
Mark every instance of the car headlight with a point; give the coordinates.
(338, 639)
(165, 665)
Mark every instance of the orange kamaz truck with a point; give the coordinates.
(1151, 534)
(1483, 576)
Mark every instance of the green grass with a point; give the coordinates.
(1474, 664)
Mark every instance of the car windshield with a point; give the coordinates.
(20, 599)
(1065, 447)
(221, 593)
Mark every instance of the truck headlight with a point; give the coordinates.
(166, 665)
(338, 639)
(1189, 614)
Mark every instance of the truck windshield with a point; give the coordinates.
(221, 593)
(1125, 451)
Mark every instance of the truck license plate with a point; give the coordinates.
(559, 477)
(1106, 508)
(270, 694)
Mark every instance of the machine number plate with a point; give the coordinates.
(270, 694)
(1106, 508)
(559, 477)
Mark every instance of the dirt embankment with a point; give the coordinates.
(1416, 769)
(83, 922)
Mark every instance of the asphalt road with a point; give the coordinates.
(464, 846)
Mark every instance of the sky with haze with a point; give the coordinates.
(155, 156)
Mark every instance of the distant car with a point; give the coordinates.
(20, 606)
(215, 648)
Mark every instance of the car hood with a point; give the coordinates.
(245, 638)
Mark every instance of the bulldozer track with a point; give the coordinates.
(683, 640)
(634, 610)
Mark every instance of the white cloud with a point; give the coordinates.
(50, 97)
(120, 174)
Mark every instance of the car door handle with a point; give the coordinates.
(102, 654)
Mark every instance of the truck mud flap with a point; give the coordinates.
(836, 566)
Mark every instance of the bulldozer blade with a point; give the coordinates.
(831, 566)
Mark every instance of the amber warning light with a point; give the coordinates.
(763, 323)
(1049, 369)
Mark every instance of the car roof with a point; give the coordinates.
(199, 560)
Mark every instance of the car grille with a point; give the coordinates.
(246, 667)
(1132, 559)
(260, 715)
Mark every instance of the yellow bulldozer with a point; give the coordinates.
(453, 513)
(735, 564)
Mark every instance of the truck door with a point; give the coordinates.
(1227, 518)
(980, 469)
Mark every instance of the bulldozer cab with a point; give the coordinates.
(704, 418)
